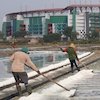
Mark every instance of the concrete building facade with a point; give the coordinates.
(83, 19)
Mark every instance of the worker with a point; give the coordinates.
(72, 55)
(19, 60)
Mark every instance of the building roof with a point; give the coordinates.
(70, 7)
(81, 6)
(37, 11)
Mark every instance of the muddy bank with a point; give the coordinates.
(92, 48)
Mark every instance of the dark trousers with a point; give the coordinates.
(22, 77)
(73, 62)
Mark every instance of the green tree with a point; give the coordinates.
(93, 35)
(69, 34)
(19, 34)
(55, 37)
(1, 35)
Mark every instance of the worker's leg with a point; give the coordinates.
(28, 88)
(18, 87)
(24, 79)
(76, 66)
(71, 62)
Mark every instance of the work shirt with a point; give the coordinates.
(19, 59)
(71, 53)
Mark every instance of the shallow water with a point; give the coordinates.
(40, 58)
(45, 58)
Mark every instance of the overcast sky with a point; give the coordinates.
(9, 6)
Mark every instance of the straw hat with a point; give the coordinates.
(72, 45)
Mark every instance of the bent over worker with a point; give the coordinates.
(19, 60)
(72, 55)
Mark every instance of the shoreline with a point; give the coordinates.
(9, 51)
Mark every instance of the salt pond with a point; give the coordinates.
(55, 92)
(8, 79)
(40, 58)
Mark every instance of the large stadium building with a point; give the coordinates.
(82, 18)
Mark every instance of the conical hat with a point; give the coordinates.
(72, 45)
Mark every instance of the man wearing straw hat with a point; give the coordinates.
(72, 55)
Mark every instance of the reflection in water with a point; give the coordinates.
(4, 69)
(43, 59)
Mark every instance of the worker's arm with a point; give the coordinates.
(63, 50)
(30, 64)
(76, 55)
